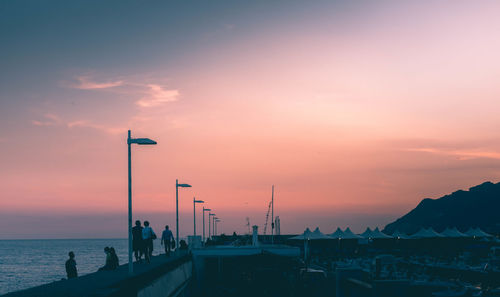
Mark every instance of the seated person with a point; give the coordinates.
(110, 265)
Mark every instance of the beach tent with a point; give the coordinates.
(422, 233)
(477, 232)
(309, 237)
(426, 233)
(377, 234)
(452, 233)
(338, 234)
(317, 235)
(306, 235)
(482, 233)
(400, 235)
(349, 235)
(433, 233)
(367, 233)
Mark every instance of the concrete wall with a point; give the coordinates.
(171, 284)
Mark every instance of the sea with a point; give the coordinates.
(28, 263)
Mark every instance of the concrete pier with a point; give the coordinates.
(164, 276)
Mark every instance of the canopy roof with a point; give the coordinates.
(311, 235)
(367, 233)
(338, 234)
(477, 232)
(426, 233)
(319, 235)
(377, 234)
(400, 235)
(453, 233)
(349, 235)
(306, 235)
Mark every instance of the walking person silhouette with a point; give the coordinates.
(137, 241)
(166, 238)
(148, 235)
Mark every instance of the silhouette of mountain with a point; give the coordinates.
(478, 207)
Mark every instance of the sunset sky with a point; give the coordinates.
(354, 110)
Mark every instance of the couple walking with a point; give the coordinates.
(143, 240)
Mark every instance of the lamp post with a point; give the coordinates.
(272, 216)
(204, 209)
(213, 225)
(209, 222)
(194, 213)
(177, 186)
(215, 222)
(139, 141)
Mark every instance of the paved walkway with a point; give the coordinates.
(101, 283)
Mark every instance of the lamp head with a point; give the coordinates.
(142, 141)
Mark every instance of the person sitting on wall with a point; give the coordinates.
(109, 262)
(183, 245)
(114, 262)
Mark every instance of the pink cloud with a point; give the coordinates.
(85, 83)
(54, 120)
(459, 154)
(151, 94)
(157, 95)
(88, 124)
(50, 120)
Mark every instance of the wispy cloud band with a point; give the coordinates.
(88, 124)
(151, 94)
(54, 120)
(49, 120)
(459, 154)
(86, 83)
(157, 95)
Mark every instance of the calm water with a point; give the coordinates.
(29, 263)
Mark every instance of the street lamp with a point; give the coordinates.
(177, 186)
(215, 222)
(204, 209)
(139, 141)
(209, 222)
(213, 225)
(272, 216)
(194, 213)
